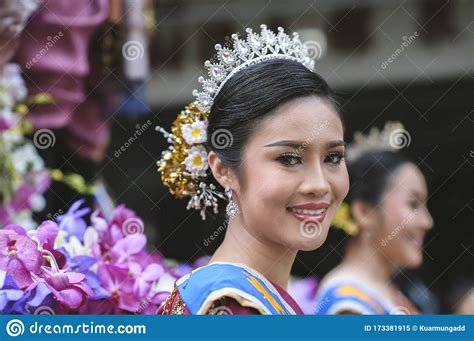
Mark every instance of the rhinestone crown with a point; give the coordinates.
(255, 49)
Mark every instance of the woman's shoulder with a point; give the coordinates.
(343, 293)
(229, 285)
(174, 305)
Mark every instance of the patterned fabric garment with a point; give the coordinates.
(227, 289)
(350, 297)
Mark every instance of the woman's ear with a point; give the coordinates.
(223, 174)
(364, 215)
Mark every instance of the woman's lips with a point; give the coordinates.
(417, 242)
(315, 212)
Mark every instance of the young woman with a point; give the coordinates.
(274, 142)
(387, 203)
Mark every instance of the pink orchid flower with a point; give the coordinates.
(69, 288)
(19, 257)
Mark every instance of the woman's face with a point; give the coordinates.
(404, 218)
(293, 175)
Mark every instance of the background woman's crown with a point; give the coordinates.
(255, 49)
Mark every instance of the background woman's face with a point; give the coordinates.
(293, 176)
(405, 219)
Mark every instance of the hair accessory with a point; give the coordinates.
(183, 166)
(392, 137)
(343, 220)
(255, 49)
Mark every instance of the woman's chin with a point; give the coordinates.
(413, 260)
(311, 243)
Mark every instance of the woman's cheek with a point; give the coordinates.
(340, 183)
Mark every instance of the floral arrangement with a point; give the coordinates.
(23, 177)
(69, 266)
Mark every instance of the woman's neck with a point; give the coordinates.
(272, 260)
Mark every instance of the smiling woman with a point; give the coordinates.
(274, 141)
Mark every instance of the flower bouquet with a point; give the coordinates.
(69, 266)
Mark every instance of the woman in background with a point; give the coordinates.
(386, 214)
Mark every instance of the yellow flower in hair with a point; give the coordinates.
(343, 220)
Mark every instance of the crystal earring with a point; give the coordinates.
(232, 209)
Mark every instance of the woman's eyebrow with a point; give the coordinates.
(286, 143)
(298, 144)
(336, 143)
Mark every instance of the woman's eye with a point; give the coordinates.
(334, 158)
(289, 159)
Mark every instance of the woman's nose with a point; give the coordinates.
(426, 219)
(315, 182)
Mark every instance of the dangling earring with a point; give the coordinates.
(232, 209)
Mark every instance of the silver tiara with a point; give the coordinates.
(253, 50)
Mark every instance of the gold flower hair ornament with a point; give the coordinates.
(184, 166)
(393, 137)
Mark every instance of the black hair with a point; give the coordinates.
(371, 175)
(253, 94)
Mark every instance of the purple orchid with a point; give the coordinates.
(144, 277)
(304, 293)
(69, 288)
(128, 249)
(19, 256)
(72, 221)
(105, 270)
(9, 291)
(14, 301)
(117, 281)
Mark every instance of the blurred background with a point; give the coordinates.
(116, 69)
